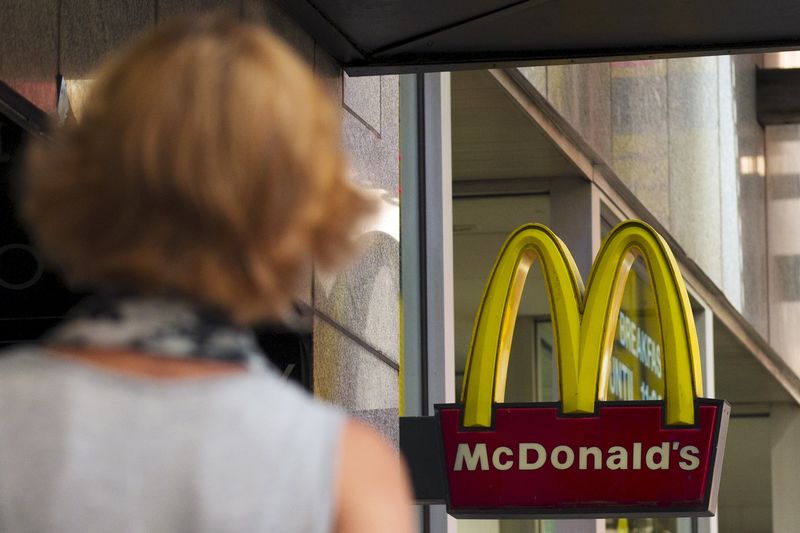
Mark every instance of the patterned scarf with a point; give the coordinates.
(163, 326)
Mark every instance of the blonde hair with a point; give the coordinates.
(208, 163)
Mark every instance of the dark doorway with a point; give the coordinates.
(32, 297)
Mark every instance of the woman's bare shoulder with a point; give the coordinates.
(373, 490)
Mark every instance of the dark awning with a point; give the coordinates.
(382, 36)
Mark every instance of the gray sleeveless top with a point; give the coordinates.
(85, 450)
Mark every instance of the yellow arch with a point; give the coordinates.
(487, 363)
(583, 328)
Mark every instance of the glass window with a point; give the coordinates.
(480, 226)
(637, 373)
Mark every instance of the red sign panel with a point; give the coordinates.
(623, 460)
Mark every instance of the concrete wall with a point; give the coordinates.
(745, 495)
(356, 330)
(785, 469)
(682, 134)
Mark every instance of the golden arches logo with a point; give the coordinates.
(584, 322)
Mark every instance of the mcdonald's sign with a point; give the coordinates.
(582, 456)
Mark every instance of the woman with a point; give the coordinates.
(205, 173)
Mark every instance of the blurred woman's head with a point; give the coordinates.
(208, 163)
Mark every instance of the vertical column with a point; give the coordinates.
(694, 155)
(783, 247)
(575, 218)
(783, 267)
(640, 132)
(439, 238)
(438, 252)
(730, 219)
(412, 225)
(357, 310)
(704, 323)
(752, 193)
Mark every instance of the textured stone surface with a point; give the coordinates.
(787, 277)
(384, 420)
(348, 375)
(362, 96)
(752, 194)
(282, 24)
(731, 244)
(785, 186)
(582, 94)
(329, 71)
(783, 154)
(92, 28)
(171, 8)
(752, 212)
(640, 133)
(694, 160)
(28, 41)
(537, 76)
(365, 297)
(374, 158)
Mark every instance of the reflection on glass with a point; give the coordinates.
(637, 373)
(546, 379)
(648, 525)
(480, 226)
